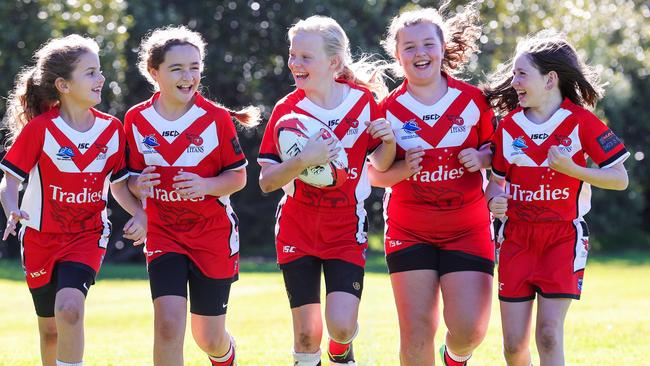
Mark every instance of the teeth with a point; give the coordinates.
(422, 63)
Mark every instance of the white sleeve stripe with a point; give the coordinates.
(12, 172)
(622, 158)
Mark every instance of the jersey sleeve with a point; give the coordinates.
(485, 124)
(231, 154)
(600, 143)
(25, 151)
(375, 113)
(133, 158)
(499, 163)
(268, 150)
(119, 171)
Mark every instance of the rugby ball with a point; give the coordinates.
(292, 132)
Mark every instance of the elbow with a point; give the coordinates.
(265, 185)
(241, 183)
(622, 184)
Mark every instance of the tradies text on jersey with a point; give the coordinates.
(438, 175)
(544, 193)
(85, 196)
(172, 196)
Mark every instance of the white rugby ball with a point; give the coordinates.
(292, 132)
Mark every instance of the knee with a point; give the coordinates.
(548, 337)
(169, 329)
(308, 339)
(417, 328)
(213, 342)
(471, 337)
(49, 335)
(514, 346)
(342, 331)
(69, 311)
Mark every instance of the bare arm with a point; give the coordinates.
(382, 158)
(614, 177)
(496, 196)
(9, 187)
(400, 170)
(191, 185)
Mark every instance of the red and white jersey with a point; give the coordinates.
(68, 171)
(348, 123)
(443, 193)
(202, 141)
(540, 193)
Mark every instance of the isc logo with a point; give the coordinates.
(333, 123)
(83, 145)
(171, 133)
(431, 117)
(288, 249)
(37, 273)
(539, 136)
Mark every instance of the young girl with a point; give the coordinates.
(325, 227)
(69, 152)
(540, 188)
(186, 154)
(438, 236)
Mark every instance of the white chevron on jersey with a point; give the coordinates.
(161, 124)
(83, 140)
(545, 130)
(187, 158)
(406, 140)
(421, 109)
(325, 115)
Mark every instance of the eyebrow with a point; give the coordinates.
(179, 65)
(426, 39)
(90, 68)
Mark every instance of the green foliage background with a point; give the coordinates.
(246, 64)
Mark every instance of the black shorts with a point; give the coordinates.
(65, 275)
(425, 256)
(170, 273)
(302, 279)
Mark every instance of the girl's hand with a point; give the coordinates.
(318, 151)
(136, 228)
(380, 129)
(413, 160)
(190, 185)
(498, 205)
(146, 181)
(12, 221)
(470, 158)
(559, 160)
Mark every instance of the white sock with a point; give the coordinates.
(456, 357)
(306, 359)
(61, 363)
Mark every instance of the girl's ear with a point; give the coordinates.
(61, 85)
(335, 63)
(154, 73)
(552, 80)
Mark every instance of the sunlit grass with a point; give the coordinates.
(610, 323)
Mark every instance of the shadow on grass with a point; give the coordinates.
(12, 270)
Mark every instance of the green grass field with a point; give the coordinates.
(612, 319)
